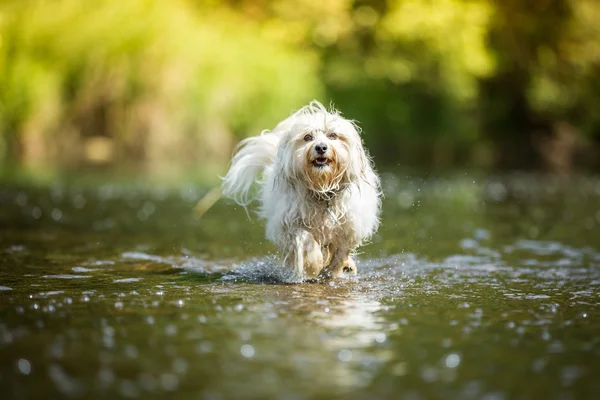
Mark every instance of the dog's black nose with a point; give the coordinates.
(321, 148)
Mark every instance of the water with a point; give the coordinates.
(475, 287)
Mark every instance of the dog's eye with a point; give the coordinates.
(308, 138)
(332, 135)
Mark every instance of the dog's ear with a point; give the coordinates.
(360, 166)
(284, 166)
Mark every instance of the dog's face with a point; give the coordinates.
(323, 152)
(323, 157)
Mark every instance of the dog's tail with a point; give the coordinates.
(251, 157)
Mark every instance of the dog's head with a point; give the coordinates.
(322, 150)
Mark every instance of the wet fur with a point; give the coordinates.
(318, 214)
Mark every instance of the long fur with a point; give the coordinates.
(317, 214)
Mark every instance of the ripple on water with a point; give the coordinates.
(83, 269)
(140, 256)
(49, 294)
(187, 262)
(15, 248)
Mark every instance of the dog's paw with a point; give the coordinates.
(349, 270)
(349, 267)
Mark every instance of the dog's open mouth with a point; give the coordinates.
(320, 162)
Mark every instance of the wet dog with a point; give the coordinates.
(317, 189)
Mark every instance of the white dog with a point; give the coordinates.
(317, 188)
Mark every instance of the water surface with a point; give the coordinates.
(475, 287)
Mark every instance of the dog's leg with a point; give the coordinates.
(313, 261)
(304, 255)
(341, 264)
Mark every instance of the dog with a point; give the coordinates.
(317, 189)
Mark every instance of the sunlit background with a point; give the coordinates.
(173, 85)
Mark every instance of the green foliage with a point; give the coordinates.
(148, 73)
(185, 79)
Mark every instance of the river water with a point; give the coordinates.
(476, 287)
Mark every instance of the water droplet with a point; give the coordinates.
(452, 360)
(180, 366)
(400, 369)
(429, 374)
(106, 377)
(345, 355)
(380, 337)
(131, 351)
(546, 335)
(142, 216)
(56, 214)
(24, 366)
(538, 365)
(481, 234)
(36, 213)
(589, 223)
(570, 374)
(6, 337)
(497, 191)
(128, 388)
(127, 280)
(79, 201)
(169, 382)
(147, 381)
(533, 232)
(21, 199)
(204, 347)
(469, 244)
(247, 351)
(170, 330)
(148, 208)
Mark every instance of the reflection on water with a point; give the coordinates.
(473, 289)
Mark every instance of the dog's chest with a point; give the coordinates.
(327, 226)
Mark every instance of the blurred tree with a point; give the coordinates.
(160, 80)
(413, 74)
(183, 80)
(547, 56)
